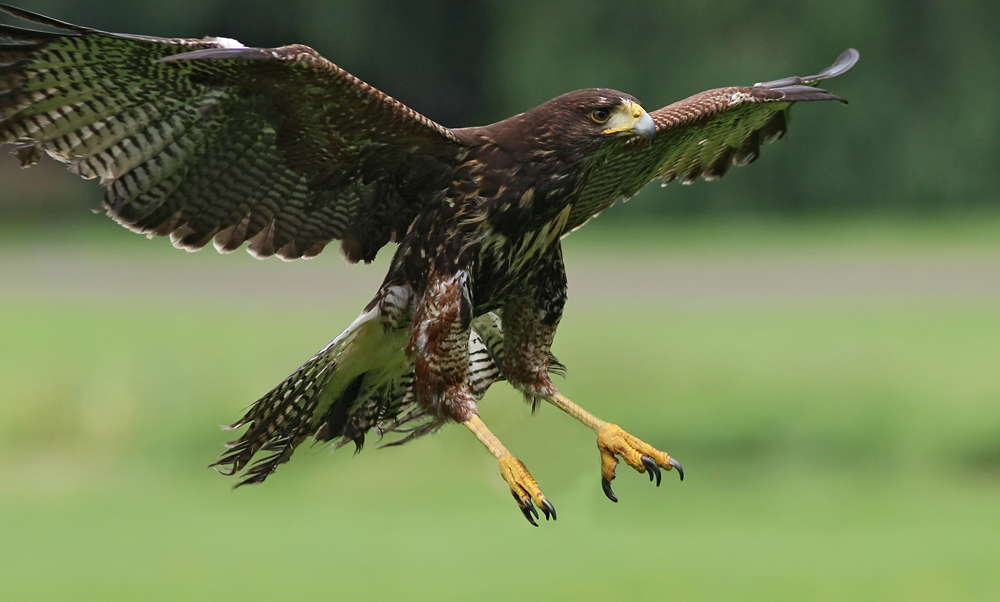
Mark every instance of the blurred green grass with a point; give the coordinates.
(834, 450)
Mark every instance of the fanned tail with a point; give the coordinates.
(361, 381)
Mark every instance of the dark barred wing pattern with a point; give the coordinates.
(205, 140)
(702, 136)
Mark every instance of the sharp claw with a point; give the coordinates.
(548, 508)
(526, 510)
(677, 465)
(606, 485)
(652, 469)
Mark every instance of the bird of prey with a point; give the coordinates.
(210, 141)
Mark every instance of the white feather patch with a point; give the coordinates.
(225, 42)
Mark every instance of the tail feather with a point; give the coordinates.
(278, 421)
(415, 422)
(288, 414)
(361, 381)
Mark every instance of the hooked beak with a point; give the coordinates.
(632, 119)
(645, 127)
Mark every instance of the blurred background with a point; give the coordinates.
(816, 337)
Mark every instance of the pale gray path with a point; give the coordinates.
(163, 275)
(805, 280)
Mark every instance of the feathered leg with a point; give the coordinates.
(530, 320)
(440, 348)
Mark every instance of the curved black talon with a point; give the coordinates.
(547, 509)
(651, 468)
(606, 485)
(526, 511)
(677, 465)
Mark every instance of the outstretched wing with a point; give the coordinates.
(702, 136)
(206, 139)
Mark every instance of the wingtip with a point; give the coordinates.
(844, 62)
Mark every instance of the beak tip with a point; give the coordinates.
(645, 127)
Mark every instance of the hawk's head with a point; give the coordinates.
(568, 128)
(596, 115)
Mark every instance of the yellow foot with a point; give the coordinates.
(613, 441)
(524, 489)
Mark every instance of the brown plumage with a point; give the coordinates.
(209, 141)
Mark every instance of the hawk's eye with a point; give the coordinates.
(600, 115)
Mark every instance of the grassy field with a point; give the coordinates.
(835, 449)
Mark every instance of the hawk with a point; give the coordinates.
(210, 141)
